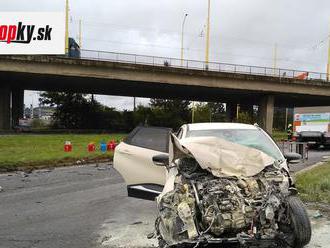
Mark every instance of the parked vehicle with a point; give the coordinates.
(24, 126)
(312, 127)
(226, 184)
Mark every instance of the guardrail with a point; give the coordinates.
(201, 65)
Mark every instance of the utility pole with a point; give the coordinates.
(207, 47)
(67, 27)
(193, 112)
(182, 33)
(275, 59)
(134, 104)
(238, 107)
(286, 119)
(328, 66)
(80, 34)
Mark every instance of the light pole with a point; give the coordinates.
(182, 32)
(275, 59)
(80, 34)
(67, 27)
(328, 65)
(207, 47)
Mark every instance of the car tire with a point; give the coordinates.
(300, 222)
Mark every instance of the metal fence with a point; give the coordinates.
(201, 65)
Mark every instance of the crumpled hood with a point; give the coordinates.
(220, 156)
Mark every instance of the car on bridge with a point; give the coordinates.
(215, 183)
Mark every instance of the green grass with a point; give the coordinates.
(48, 150)
(314, 184)
(279, 135)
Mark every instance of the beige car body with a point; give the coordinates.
(136, 166)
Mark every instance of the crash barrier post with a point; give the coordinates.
(301, 148)
(67, 146)
(91, 147)
(103, 146)
(111, 145)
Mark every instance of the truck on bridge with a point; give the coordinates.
(312, 125)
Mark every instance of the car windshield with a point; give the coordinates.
(254, 138)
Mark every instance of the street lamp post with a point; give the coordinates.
(182, 32)
(207, 46)
(328, 65)
(67, 27)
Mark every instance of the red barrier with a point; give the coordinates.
(111, 145)
(91, 147)
(67, 146)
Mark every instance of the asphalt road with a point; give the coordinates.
(81, 207)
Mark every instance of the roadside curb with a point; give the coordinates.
(324, 160)
(78, 162)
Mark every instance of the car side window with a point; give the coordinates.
(151, 138)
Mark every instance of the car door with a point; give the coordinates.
(133, 160)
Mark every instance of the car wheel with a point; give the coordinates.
(300, 223)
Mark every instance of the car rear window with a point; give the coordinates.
(150, 137)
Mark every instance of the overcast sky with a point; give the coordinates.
(242, 31)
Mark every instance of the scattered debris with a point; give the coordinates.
(137, 223)
(44, 171)
(317, 215)
(106, 238)
(104, 168)
(85, 174)
(1, 189)
(23, 174)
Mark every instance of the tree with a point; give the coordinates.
(202, 112)
(142, 115)
(217, 110)
(73, 110)
(169, 113)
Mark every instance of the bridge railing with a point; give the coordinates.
(201, 65)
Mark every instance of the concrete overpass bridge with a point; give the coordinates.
(158, 77)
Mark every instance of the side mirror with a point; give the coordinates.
(292, 157)
(161, 160)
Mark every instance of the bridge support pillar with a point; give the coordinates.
(231, 111)
(18, 105)
(5, 111)
(266, 113)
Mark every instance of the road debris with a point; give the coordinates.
(317, 215)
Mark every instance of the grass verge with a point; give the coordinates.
(33, 151)
(279, 135)
(314, 184)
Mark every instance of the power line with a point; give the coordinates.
(201, 51)
(124, 28)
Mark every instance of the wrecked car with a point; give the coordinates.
(227, 185)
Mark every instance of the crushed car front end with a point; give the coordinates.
(205, 202)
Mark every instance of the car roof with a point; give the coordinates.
(220, 125)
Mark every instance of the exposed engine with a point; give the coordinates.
(204, 205)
